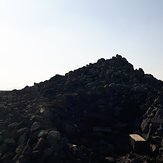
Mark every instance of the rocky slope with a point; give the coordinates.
(84, 116)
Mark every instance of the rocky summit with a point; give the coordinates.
(105, 112)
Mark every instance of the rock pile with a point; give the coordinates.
(84, 116)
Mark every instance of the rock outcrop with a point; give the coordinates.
(84, 116)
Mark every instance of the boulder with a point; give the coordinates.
(43, 133)
(13, 125)
(39, 145)
(22, 139)
(35, 126)
(22, 130)
(19, 149)
(9, 141)
(53, 137)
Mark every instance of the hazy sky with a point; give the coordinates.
(41, 38)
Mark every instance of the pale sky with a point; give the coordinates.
(41, 38)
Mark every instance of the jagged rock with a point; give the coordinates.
(13, 125)
(1, 139)
(94, 108)
(156, 139)
(153, 148)
(27, 150)
(22, 139)
(160, 129)
(145, 125)
(161, 151)
(36, 154)
(48, 152)
(23, 159)
(40, 144)
(53, 137)
(22, 130)
(110, 159)
(43, 133)
(9, 141)
(3, 148)
(19, 149)
(162, 142)
(35, 126)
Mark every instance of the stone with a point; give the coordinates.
(153, 147)
(1, 138)
(138, 143)
(36, 154)
(22, 139)
(156, 139)
(40, 144)
(48, 152)
(3, 148)
(32, 118)
(145, 125)
(9, 141)
(93, 108)
(53, 137)
(23, 159)
(70, 129)
(35, 126)
(162, 142)
(13, 125)
(161, 151)
(157, 121)
(42, 110)
(27, 150)
(22, 130)
(110, 159)
(43, 133)
(19, 149)
(160, 130)
(102, 129)
(15, 158)
(132, 155)
(101, 60)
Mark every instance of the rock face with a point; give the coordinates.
(84, 116)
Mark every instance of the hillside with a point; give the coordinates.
(84, 116)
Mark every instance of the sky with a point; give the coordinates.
(41, 38)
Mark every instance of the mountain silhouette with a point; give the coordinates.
(84, 116)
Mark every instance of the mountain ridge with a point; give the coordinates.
(84, 116)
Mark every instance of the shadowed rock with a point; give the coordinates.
(84, 116)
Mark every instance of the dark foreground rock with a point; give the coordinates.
(84, 116)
